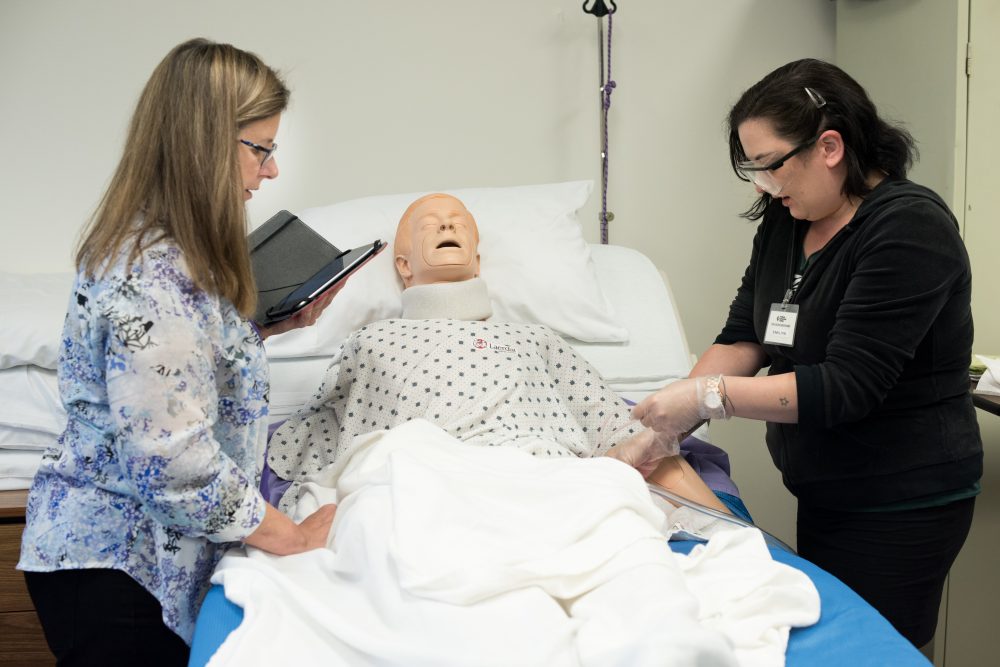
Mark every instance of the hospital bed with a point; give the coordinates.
(635, 341)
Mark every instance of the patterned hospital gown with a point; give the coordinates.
(166, 391)
(485, 383)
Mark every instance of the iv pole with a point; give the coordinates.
(600, 10)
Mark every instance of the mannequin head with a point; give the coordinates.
(437, 241)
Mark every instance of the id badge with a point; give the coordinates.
(781, 324)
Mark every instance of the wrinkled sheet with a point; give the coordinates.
(448, 554)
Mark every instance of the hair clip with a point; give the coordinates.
(815, 98)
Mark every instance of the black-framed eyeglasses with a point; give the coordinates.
(749, 165)
(265, 153)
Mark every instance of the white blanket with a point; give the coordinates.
(448, 554)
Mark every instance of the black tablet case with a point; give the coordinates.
(285, 253)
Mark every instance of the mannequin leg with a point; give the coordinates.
(677, 476)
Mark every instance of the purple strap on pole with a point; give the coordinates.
(606, 89)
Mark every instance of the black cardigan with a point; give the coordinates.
(881, 355)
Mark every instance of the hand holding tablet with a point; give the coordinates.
(294, 266)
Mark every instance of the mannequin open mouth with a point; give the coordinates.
(448, 244)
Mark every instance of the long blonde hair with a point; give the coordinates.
(179, 176)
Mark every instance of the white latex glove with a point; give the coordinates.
(644, 450)
(672, 413)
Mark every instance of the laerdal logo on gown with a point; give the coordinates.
(482, 344)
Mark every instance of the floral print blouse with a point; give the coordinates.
(157, 471)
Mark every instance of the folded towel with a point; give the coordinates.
(989, 383)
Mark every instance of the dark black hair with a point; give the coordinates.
(870, 143)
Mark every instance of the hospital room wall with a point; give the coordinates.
(393, 96)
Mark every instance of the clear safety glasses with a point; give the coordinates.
(762, 175)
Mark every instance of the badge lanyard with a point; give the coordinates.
(784, 316)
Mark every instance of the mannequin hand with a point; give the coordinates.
(682, 406)
(645, 450)
(305, 317)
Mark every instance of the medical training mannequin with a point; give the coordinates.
(485, 383)
(437, 243)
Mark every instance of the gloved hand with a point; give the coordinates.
(672, 413)
(644, 450)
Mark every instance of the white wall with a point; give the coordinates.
(394, 96)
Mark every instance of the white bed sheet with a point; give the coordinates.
(30, 400)
(657, 350)
(420, 579)
(17, 468)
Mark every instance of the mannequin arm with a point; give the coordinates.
(677, 476)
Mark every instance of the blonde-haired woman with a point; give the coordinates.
(163, 376)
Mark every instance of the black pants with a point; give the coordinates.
(102, 617)
(897, 561)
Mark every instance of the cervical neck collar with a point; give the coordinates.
(463, 300)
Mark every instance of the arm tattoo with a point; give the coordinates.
(783, 401)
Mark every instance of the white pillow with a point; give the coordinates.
(19, 466)
(31, 400)
(657, 348)
(14, 437)
(33, 307)
(535, 263)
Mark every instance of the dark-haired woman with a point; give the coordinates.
(163, 376)
(857, 300)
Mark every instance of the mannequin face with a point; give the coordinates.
(437, 241)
